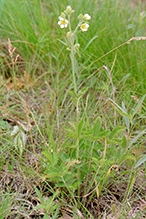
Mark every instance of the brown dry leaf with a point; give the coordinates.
(1, 80)
(143, 206)
(14, 119)
(65, 216)
(21, 82)
(4, 107)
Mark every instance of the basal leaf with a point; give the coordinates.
(119, 109)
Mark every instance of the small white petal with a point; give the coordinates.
(66, 21)
(87, 17)
(62, 25)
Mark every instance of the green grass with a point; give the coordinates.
(39, 166)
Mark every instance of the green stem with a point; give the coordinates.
(72, 55)
(77, 122)
(105, 146)
(77, 104)
(77, 143)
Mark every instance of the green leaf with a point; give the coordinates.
(103, 161)
(124, 142)
(119, 109)
(64, 156)
(80, 126)
(76, 67)
(18, 143)
(62, 42)
(96, 161)
(139, 11)
(73, 125)
(142, 160)
(74, 100)
(136, 138)
(51, 175)
(97, 127)
(130, 26)
(139, 32)
(55, 158)
(131, 183)
(103, 134)
(138, 106)
(90, 42)
(73, 146)
(38, 193)
(4, 125)
(72, 93)
(115, 131)
(40, 206)
(71, 133)
(72, 162)
(49, 156)
(82, 92)
(127, 120)
(114, 141)
(127, 157)
(46, 216)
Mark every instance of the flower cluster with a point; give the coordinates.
(83, 19)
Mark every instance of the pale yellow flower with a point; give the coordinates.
(84, 27)
(63, 23)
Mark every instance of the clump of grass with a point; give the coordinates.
(37, 38)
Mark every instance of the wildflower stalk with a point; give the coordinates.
(83, 24)
(72, 55)
(77, 142)
(72, 50)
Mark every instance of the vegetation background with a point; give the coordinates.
(40, 175)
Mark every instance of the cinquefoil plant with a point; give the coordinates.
(92, 153)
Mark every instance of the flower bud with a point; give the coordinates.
(77, 45)
(81, 17)
(68, 34)
(68, 49)
(68, 10)
(63, 15)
